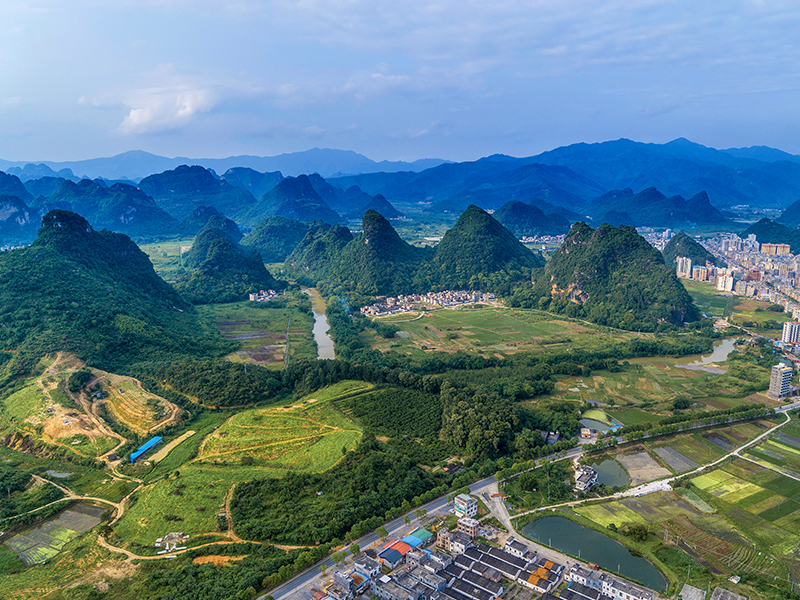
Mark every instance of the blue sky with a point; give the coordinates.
(392, 80)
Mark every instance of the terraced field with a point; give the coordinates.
(309, 435)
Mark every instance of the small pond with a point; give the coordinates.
(719, 353)
(610, 473)
(594, 547)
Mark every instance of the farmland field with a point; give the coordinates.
(489, 331)
(131, 405)
(166, 257)
(309, 435)
(260, 331)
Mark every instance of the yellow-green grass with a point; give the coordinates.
(711, 479)
(633, 416)
(166, 257)
(653, 382)
(490, 331)
(597, 415)
(696, 501)
(606, 514)
(308, 435)
(130, 404)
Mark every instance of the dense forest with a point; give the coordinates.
(93, 293)
(610, 276)
(683, 245)
(221, 270)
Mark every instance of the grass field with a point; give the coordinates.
(166, 257)
(261, 332)
(186, 493)
(489, 331)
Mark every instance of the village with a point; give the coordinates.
(412, 302)
(468, 562)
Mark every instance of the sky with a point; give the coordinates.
(393, 80)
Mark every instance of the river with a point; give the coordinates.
(321, 326)
(592, 546)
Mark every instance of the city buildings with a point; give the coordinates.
(780, 381)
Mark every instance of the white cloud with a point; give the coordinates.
(166, 109)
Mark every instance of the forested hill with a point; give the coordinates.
(223, 272)
(770, 232)
(653, 209)
(523, 219)
(93, 293)
(611, 276)
(479, 253)
(378, 261)
(275, 238)
(683, 245)
(183, 189)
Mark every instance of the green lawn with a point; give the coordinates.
(489, 331)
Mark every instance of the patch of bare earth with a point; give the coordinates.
(112, 569)
(216, 560)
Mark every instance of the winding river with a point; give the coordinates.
(321, 326)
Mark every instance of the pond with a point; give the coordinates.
(321, 326)
(719, 353)
(610, 473)
(592, 546)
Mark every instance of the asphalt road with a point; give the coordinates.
(303, 580)
(285, 590)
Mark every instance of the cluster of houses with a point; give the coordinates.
(264, 295)
(399, 304)
(451, 565)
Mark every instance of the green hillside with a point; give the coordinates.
(523, 219)
(222, 271)
(770, 232)
(275, 238)
(378, 261)
(93, 293)
(478, 253)
(318, 251)
(183, 189)
(651, 208)
(683, 245)
(293, 198)
(121, 207)
(18, 223)
(610, 276)
(201, 216)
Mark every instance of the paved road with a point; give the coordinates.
(395, 527)
(498, 509)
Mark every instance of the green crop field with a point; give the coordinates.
(489, 331)
(707, 299)
(633, 416)
(166, 257)
(261, 332)
(308, 435)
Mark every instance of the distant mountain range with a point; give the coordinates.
(137, 164)
(620, 182)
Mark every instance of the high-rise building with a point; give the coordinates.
(779, 381)
(725, 283)
(684, 269)
(791, 332)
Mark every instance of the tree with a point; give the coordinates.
(406, 519)
(381, 531)
(354, 549)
